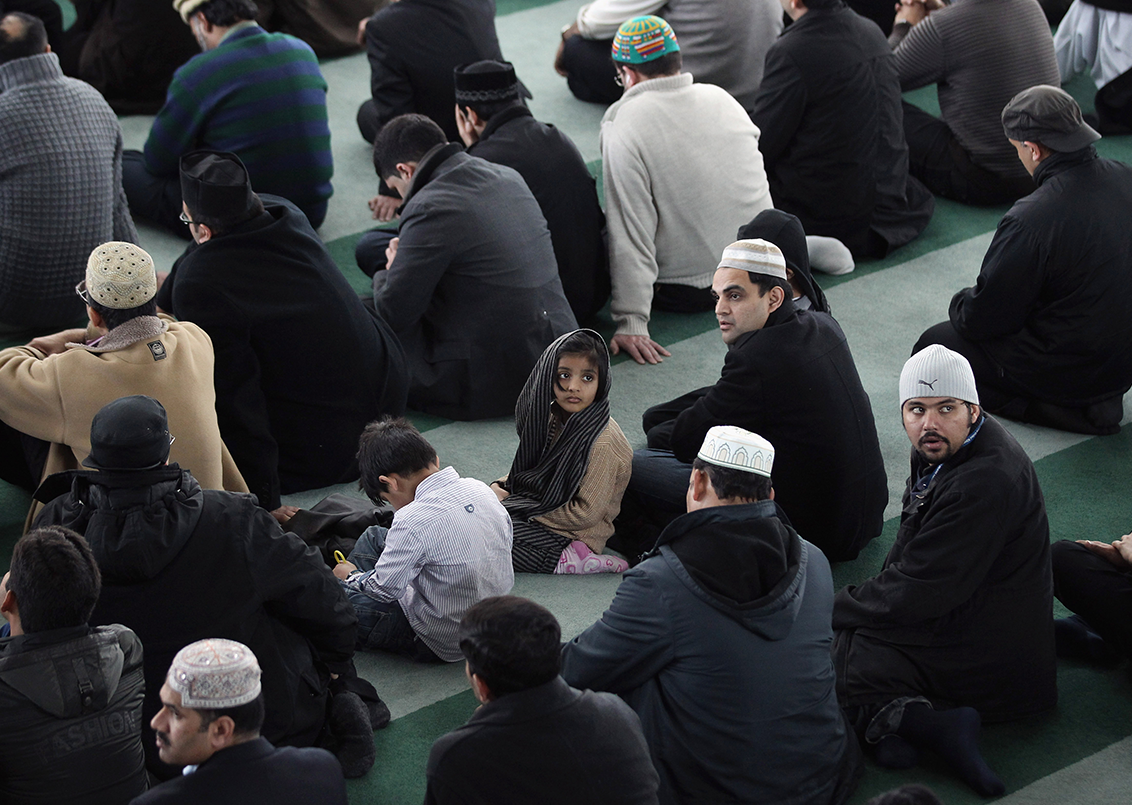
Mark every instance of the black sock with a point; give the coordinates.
(954, 735)
(1077, 640)
(893, 752)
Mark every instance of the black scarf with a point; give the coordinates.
(545, 476)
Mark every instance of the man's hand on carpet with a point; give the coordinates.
(640, 348)
(384, 208)
(57, 342)
(499, 491)
(391, 253)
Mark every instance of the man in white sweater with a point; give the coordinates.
(682, 173)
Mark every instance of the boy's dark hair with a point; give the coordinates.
(764, 282)
(248, 718)
(115, 317)
(668, 64)
(511, 643)
(729, 483)
(913, 794)
(816, 4)
(489, 109)
(391, 445)
(55, 579)
(405, 138)
(226, 13)
(222, 226)
(29, 40)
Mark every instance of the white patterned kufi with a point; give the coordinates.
(186, 8)
(120, 276)
(936, 371)
(737, 449)
(215, 674)
(757, 256)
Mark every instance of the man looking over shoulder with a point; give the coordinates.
(958, 625)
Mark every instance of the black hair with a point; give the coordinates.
(579, 343)
(114, 317)
(222, 226)
(405, 138)
(913, 794)
(29, 40)
(734, 484)
(225, 13)
(55, 579)
(391, 445)
(489, 109)
(821, 4)
(764, 282)
(668, 64)
(247, 718)
(511, 643)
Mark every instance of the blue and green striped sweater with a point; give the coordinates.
(262, 97)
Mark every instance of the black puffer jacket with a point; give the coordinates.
(180, 564)
(70, 717)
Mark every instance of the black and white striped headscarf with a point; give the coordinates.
(544, 477)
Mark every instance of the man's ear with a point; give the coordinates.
(204, 233)
(95, 318)
(392, 481)
(406, 170)
(480, 689)
(221, 732)
(777, 297)
(700, 485)
(9, 606)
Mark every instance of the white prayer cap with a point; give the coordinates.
(737, 449)
(215, 674)
(936, 371)
(757, 255)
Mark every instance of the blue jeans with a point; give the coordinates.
(382, 624)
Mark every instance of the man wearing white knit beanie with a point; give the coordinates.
(957, 627)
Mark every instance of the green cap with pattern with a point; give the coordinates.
(643, 39)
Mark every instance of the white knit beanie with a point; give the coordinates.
(936, 371)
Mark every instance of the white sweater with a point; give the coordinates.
(682, 173)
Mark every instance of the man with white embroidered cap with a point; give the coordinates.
(51, 388)
(789, 375)
(719, 640)
(209, 722)
(957, 628)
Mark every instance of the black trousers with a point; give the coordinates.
(589, 70)
(22, 457)
(998, 395)
(937, 159)
(1096, 590)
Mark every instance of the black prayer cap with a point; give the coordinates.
(131, 433)
(216, 184)
(486, 82)
(1048, 115)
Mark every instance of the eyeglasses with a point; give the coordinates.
(617, 79)
(172, 438)
(81, 291)
(185, 219)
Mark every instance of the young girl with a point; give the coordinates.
(573, 462)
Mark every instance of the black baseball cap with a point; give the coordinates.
(131, 433)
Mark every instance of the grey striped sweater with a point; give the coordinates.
(981, 53)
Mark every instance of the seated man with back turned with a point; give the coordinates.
(496, 125)
(212, 710)
(470, 285)
(51, 389)
(301, 365)
(829, 110)
(981, 53)
(449, 546)
(257, 94)
(958, 625)
(70, 696)
(180, 563)
(1046, 326)
(532, 726)
(720, 641)
(60, 181)
(789, 373)
(682, 171)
